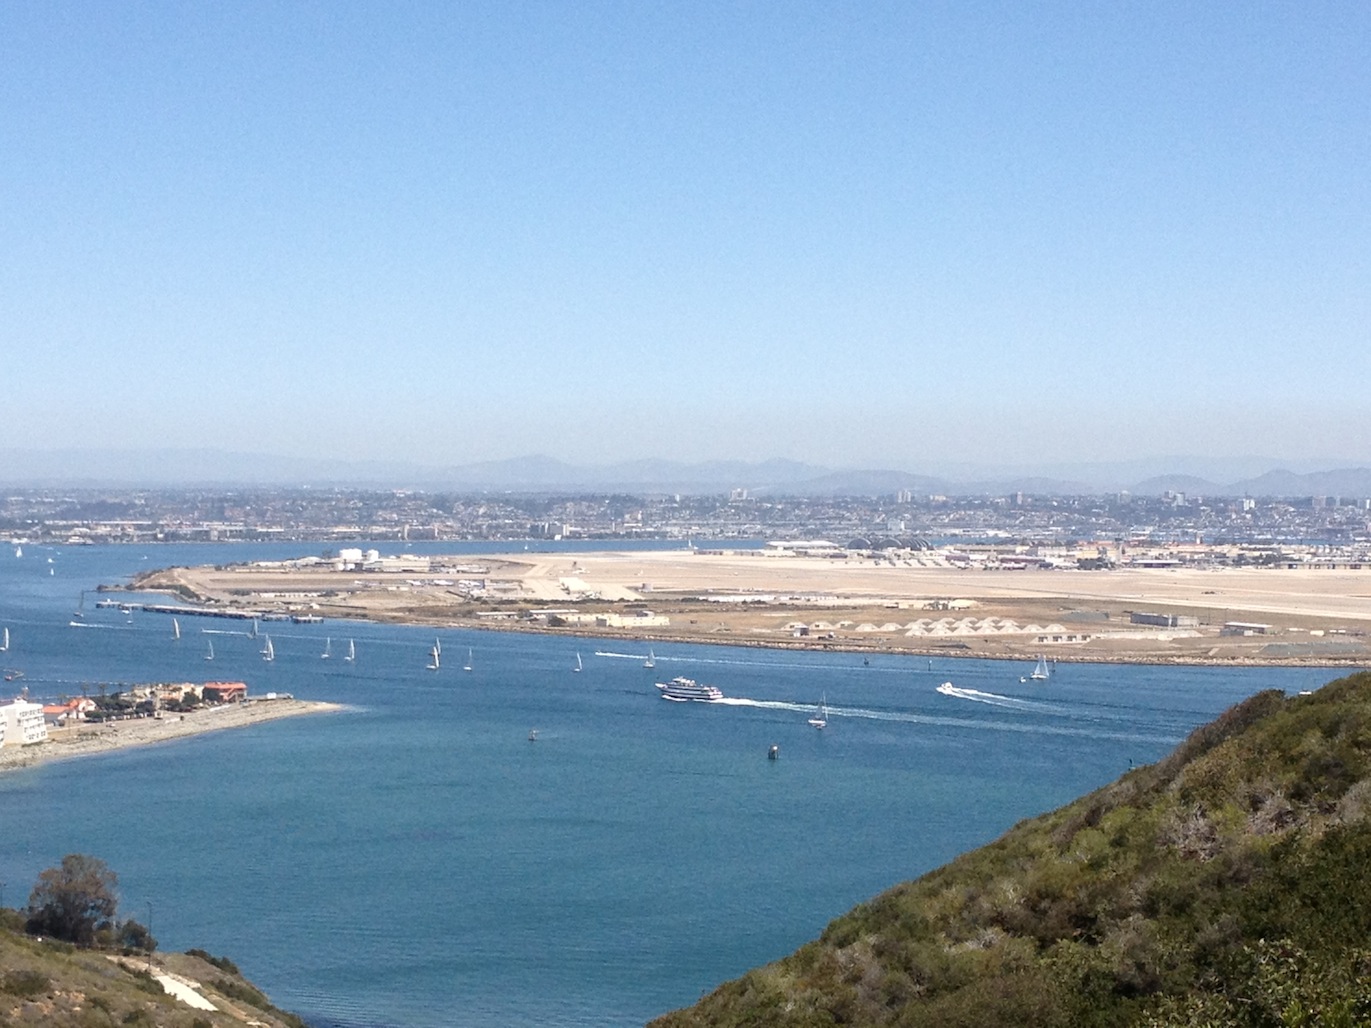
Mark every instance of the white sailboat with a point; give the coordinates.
(1040, 673)
(651, 659)
(576, 669)
(253, 633)
(268, 651)
(435, 658)
(6, 647)
(467, 665)
(328, 648)
(352, 652)
(209, 653)
(820, 718)
(176, 629)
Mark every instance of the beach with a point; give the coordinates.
(85, 739)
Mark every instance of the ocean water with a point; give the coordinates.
(415, 860)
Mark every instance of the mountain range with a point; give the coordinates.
(209, 468)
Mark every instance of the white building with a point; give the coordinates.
(23, 723)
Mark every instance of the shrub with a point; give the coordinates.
(243, 991)
(26, 984)
(222, 963)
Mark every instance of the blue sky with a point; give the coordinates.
(873, 234)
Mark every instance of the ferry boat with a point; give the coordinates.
(682, 689)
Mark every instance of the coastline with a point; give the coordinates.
(1015, 655)
(84, 740)
(1233, 617)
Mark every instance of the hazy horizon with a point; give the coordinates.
(212, 468)
(875, 237)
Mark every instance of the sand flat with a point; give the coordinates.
(84, 739)
(1315, 615)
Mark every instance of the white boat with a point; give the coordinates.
(6, 647)
(820, 718)
(176, 629)
(352, 652)
(435, 658)
(328, 648)
(651, 659)
(209, 653)
(253, 633)
(577, 668)
(682, 689)
(1040, 673)
(268, 651)
(467, 665)
(18, 551)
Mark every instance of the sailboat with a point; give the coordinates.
(820, 718)
(576, 669)
(467, 665)
(268, 651)
(253, 633)
(352, 652)
(435, 659)
(209, 653)
(437, 646)
(6, 648)
(1040, 673)
(328, 649)
(651, 660)
(176, 629)
(79, 614)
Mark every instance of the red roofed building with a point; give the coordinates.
(224, 692)
(72, 710)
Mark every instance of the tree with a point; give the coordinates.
(74, 901)
(132, 935)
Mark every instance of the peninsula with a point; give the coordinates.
(82, 739)
(1181, 606)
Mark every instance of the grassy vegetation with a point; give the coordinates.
(1228, 884)
(56, 984)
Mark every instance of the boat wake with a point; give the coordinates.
(799, 708)
(1031, 727)
(976, 696)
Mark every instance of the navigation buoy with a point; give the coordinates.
(773, 753)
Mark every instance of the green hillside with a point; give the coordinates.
(1228, 884)
(56, 985)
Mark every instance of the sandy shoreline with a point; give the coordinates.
(83, 740)
(1304, 616)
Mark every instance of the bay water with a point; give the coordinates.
(416, 860)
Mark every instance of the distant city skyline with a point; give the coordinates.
(891, 236)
